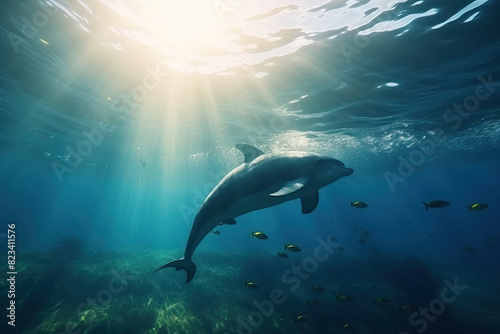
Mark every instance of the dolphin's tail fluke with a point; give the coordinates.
(426, 205)
(183, 264)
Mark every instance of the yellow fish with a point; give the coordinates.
(283, 255)
(407, 308)
(359, 205)
(470, 249)
(312, 302)
(342, 298)
(301, 318)
(380, 300)
(259, 235)
(251, 285)
(478, 206)
(292, 248)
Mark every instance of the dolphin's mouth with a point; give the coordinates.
(338, 164)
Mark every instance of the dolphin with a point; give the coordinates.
(263, 180)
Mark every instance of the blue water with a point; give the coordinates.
(117, 118)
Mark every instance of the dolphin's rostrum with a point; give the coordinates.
(263, 180)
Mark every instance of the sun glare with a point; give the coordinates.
(183, 23)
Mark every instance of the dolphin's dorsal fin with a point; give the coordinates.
(249, 152)
(310, 202)
(290, 187)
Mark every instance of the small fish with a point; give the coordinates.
(491, 242)
(359, 205)
(436, 204)
(332, 238)
(362, 240)
(478, 206)
(283, 255)
(318, 288)
(251, 285)
(407, 308)
(469, 249)
(380, 300)
(300, 318)
(259, 235)
(342, 298)
(292, 248)
(228, 222)
(215, 232)
(312, 302)
(341, 249)
(346, 327)
(329, 271)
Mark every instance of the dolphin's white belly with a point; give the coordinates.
(255, 202)
(246, 190)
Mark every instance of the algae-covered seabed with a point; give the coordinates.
(71, 291)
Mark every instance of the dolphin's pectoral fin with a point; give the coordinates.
(249, 152)
(309, 203)
(183, 264)
(290, 187)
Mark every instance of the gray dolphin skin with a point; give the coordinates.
(263, 180)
